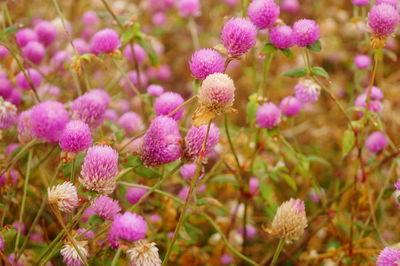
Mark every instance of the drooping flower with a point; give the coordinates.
(376, 142)
(71, 256)
(76, 136)
(133, 194)
(281, 36)
(8, 114)
(144, 253)
(168, 102)
(205, 62)
(388, 257)
(307, 91)
(64, 196)
(268, 116)
(238, 36)
(128, 227)
(106, 208)
(305, 32)
(195, 138)
(130, 122)
(263, 13)
(105, 41)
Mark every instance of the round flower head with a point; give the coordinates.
(155, 90)
(33, 75)
(393, 3)
(6, 87)
(376, 142)
(253, 186)
(15, 98)
(71, 256)
(24, 127)
(11, 148)
(195, 137)
(290, 220)
(362, 61)
(131, 122)
(34, 52)
(8, 114)
(90, 18)
(106, 208)
(46, 32)
(251, 231)
(159, 18)
(307, 91)
(374, 105)
(59, 59)
(139, 53)
(388, 257)
(128, 226)
(76, 137)
(375, 94)
(305, 32)
(281, 36)
(383, 19)
(81, 46)
(99, 169)
(168, 102)
(133, 194)
(188, 171)
(88, 235)
(24, 36)
(290, 6)
(360, 2)
(263, 13)
(48, 120)
(238, 36)
(189, 8)
(162, 142)
(268, 116)
(144, 253)
(290, 106)
(105, 41)
(163, 72)
(215, 98)
(226, 259)
(111, 115)
(133, 78)
(205, 62)
(3, 51)
(64, 196)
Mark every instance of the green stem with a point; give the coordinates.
(231, 143)
(116, 257)
(19, 155)
(266, 67)
(278, 251)
(193, 32)
(112, 14)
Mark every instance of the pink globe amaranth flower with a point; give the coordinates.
(64, 196)
(183, 193)
(76, 136)
(105, 41)
(59, 60)
(188, 170)
(360, 2)
(130, 122)
(290, 6)
(24, 127)
(290, 106)
(15, 97)
(11, 148)
(305, 32)
(133, 194)
(163, 73)
(34, 76)
(133, 78)
(100, 169)
(375, 94)
(362, 61)
(388, 257)
(34, 52)
(159, 18)
(205, 62)
(253, 186)
(162, 142)
(90, 108)
(374, 105)
(154, 218)
(10, 177)
(90, 19)
(189, 8)
(139, 52)
(71, 257)
(19, 226)
(106, 208)
(88, 235)
(155, 90)
(393, 3)
(307, 91)
(111, 115)
(281, 36)
(46, 32)
(376, 142)
(251, 231)
(48, 120)
(268, 116)
(24, 36)
(238, 36)
(226, 259)
(383, 19)
(3, 51)
(263, 13)
(195, 137)
(160, 5)
(128, 227)
(6, 88)
(168, 102)
(81, 46)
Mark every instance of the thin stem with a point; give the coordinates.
(231, 143)
(19, 155)
(193, 32)
(112, 14)
(266, 67)
(116, 257)
(278, 251)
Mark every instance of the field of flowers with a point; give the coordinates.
(199, 132)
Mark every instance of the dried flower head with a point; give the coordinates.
(64, 196)
(144, 253)
(8, 114)
(71, 256)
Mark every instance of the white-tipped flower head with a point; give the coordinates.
(144, 253)
(71, 256)
(64, 196)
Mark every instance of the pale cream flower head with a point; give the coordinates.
(143, 253)
(64, 196)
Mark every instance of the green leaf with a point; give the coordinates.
(319, 71)
(287, 52)
(149, 49)
(315, 47)
(251, 111)
(129, 34)
(289, 180)
(267, 193)
(10, 30)
(296, 72)
(133, 161)
(146, 172)
(268, 48)
(347, 142)
(196, 85)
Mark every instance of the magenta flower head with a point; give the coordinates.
(388, 257)
(81, 46)
(188, 170)
(393, 3)
(90, 18)
(307, 91)
(263, 13)
(133, 194)
(290, 106)
(48, 120)
(6, 87)
(106, 208)
(139, 53)
(155, 90)
(238, 36)
(15, 98)
(1, 243)
(128, 226)
(254, 185)
(362, 61)
(205, 62)
(3, 51)
(305, 32)
(360, 2)
(90, 108)
(375, 94)
(100, 169)
(105, 41)
(131, 122)
(162, 142)
(281, 36)
(24, 36)
(34, 76)
(168, 102)
(291, 6)
(195, 137)
(34, 52)
(189, 8)
(383, 19)
(24, 128)
(226, 259)
(59, 60)
(76, 136)
(376, 142)
(159, 18)
(251, 231)
(133, 78)
(46, 32)
(374, 105)
(268, 116)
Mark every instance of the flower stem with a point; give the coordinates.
(193, 32)
(266, 67)
(278, 251)
(231, 143)
(116, 257)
